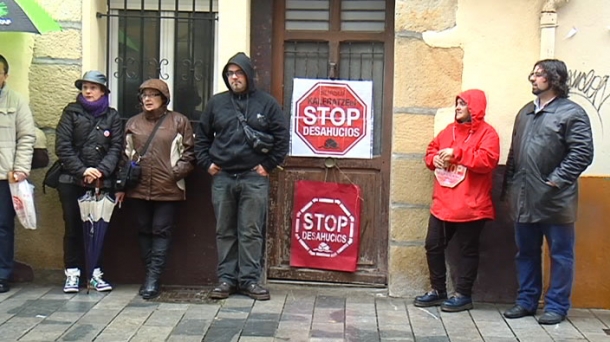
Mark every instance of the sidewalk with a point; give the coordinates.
(295, 313)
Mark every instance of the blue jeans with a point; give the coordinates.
(240, 204)
(560, 238)
(7, 231)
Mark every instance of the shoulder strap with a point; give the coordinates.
(240, 115)
(152, 135)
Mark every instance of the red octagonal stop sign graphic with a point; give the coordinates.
(325, 226)
(331, 118)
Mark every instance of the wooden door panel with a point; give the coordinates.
(370, 237)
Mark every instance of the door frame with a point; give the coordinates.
(267, 20)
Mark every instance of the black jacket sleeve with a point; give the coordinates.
(579, 142)
(278, 127)
(109, 163)
(64, 145)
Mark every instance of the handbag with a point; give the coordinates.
(130, 174)
(40, 158)
(261, 142)
(51, 178)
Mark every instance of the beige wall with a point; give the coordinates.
(587, 55)
(17, 49)
(444, 47)
(233, 34)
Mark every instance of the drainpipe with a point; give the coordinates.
(548, 24)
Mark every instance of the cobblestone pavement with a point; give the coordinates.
(294, 313)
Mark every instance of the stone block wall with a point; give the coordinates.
(56, 64)
(426, 79)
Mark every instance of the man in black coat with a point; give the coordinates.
(226, 148)
(551, 146)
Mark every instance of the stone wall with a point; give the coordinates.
(426, 79)
(56, 64)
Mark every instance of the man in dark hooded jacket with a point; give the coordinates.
(240, 185)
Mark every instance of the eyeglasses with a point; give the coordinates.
(536, 74)
(143, 96)
(238, 73)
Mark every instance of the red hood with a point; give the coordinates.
(477, 103)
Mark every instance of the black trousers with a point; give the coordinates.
(154, 218)
(74, 254)
(467, 235)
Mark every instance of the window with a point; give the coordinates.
(339, 39)
(171, 40)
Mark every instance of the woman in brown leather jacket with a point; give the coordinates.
(165, 163)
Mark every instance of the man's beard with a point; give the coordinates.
(537, 91)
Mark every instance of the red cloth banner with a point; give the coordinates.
(325, 226)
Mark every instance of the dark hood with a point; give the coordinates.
(477, 103)
(241, 60)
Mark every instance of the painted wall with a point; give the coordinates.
(233, 34)
(583, 42)
(442, 48)
(17, 48)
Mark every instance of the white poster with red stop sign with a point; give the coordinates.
(332, 119)
(325, 226)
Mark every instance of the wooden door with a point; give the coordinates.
(348, 40)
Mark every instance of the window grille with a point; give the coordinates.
(172, 40)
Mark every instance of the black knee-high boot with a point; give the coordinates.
(145, 242)
(158, 256)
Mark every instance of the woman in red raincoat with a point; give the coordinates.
(463, 157)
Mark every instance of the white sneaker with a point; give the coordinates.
(98, 283)
(72, 276)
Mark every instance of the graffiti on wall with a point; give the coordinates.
(592, 87)
(589, 88)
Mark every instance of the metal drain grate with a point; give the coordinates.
(187, 295)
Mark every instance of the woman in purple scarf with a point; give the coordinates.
(88, 145)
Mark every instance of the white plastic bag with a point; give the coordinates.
(23, 202)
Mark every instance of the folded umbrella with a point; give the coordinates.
(96, 209)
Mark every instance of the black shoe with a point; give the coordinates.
(4, 287)
(551, 318)
(432, 298)
(222, 291)
(255, 291)
(517, 312)
(457, 303)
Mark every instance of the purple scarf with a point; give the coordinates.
(95, 108)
